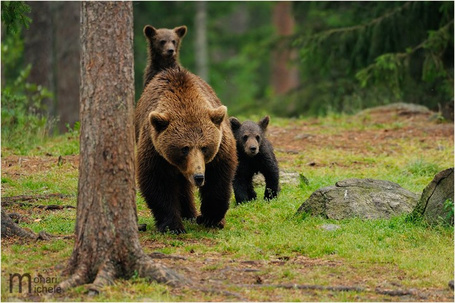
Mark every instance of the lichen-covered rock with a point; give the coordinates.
(363, 198)
(434, 196)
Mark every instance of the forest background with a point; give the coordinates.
(287, 59)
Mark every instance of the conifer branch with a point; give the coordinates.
(326, 34)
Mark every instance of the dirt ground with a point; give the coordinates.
(246, 280)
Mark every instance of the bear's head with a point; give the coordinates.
(249, 135)
(188, 141)
(165, 41)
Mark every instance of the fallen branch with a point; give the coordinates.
(159, 255)
(392, 293)
(223, 293)
(45, 207)
(305, 286)
(34, 198)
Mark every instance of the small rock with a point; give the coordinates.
(330, 227)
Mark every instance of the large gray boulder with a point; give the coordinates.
(363, 198)
(434, 196)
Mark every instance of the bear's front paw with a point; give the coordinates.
(208, 222)
(177, 229)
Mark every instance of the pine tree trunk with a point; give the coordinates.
(107, 243)
(38, 41)
(66, 64)
(201, 49)
(285, 77)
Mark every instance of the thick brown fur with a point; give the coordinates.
(184, 139)
(163, 49)
(255, 155)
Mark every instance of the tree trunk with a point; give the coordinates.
(107, 244)
(284, 76)
(38, 51)
(67, 45)
(201, 49)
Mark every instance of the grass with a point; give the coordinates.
(284, 247)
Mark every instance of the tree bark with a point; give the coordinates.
(107, 244)
(285, 77)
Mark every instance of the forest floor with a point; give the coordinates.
(301, 145)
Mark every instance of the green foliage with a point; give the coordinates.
(449, 208)
(362, 55)
(14, 16)
(23, 125)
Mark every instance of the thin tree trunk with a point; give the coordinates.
(201, 49)
(285, 76)
(38, 51)
(66, 50)
(107, 244)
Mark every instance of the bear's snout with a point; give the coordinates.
(198, 180)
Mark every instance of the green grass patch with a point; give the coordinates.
(289, 247)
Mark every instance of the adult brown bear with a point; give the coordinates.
(184, 140)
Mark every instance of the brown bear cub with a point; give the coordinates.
(163, 49)
(184, 141)
(255, 155)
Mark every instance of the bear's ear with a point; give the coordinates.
(180, 31)
(217, 115)
(264, 122)
(159, 121)
(149, 31)
(235, 123)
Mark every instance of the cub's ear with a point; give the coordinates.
(149, 31)
(217, 115)
(159, 121)
(264, 122)
(235, 123)
(180, 31)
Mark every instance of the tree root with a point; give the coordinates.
(105, 277)
(149, 269)
(11, 229)
(80, 277)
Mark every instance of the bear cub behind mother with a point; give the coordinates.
(184, 140)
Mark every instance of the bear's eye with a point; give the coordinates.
(185, 150)
(245, 137)
(163, 42)
(173, 42)
(204, 149)
(258, 138)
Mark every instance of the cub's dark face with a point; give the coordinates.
(249, 135)
(165, 42)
